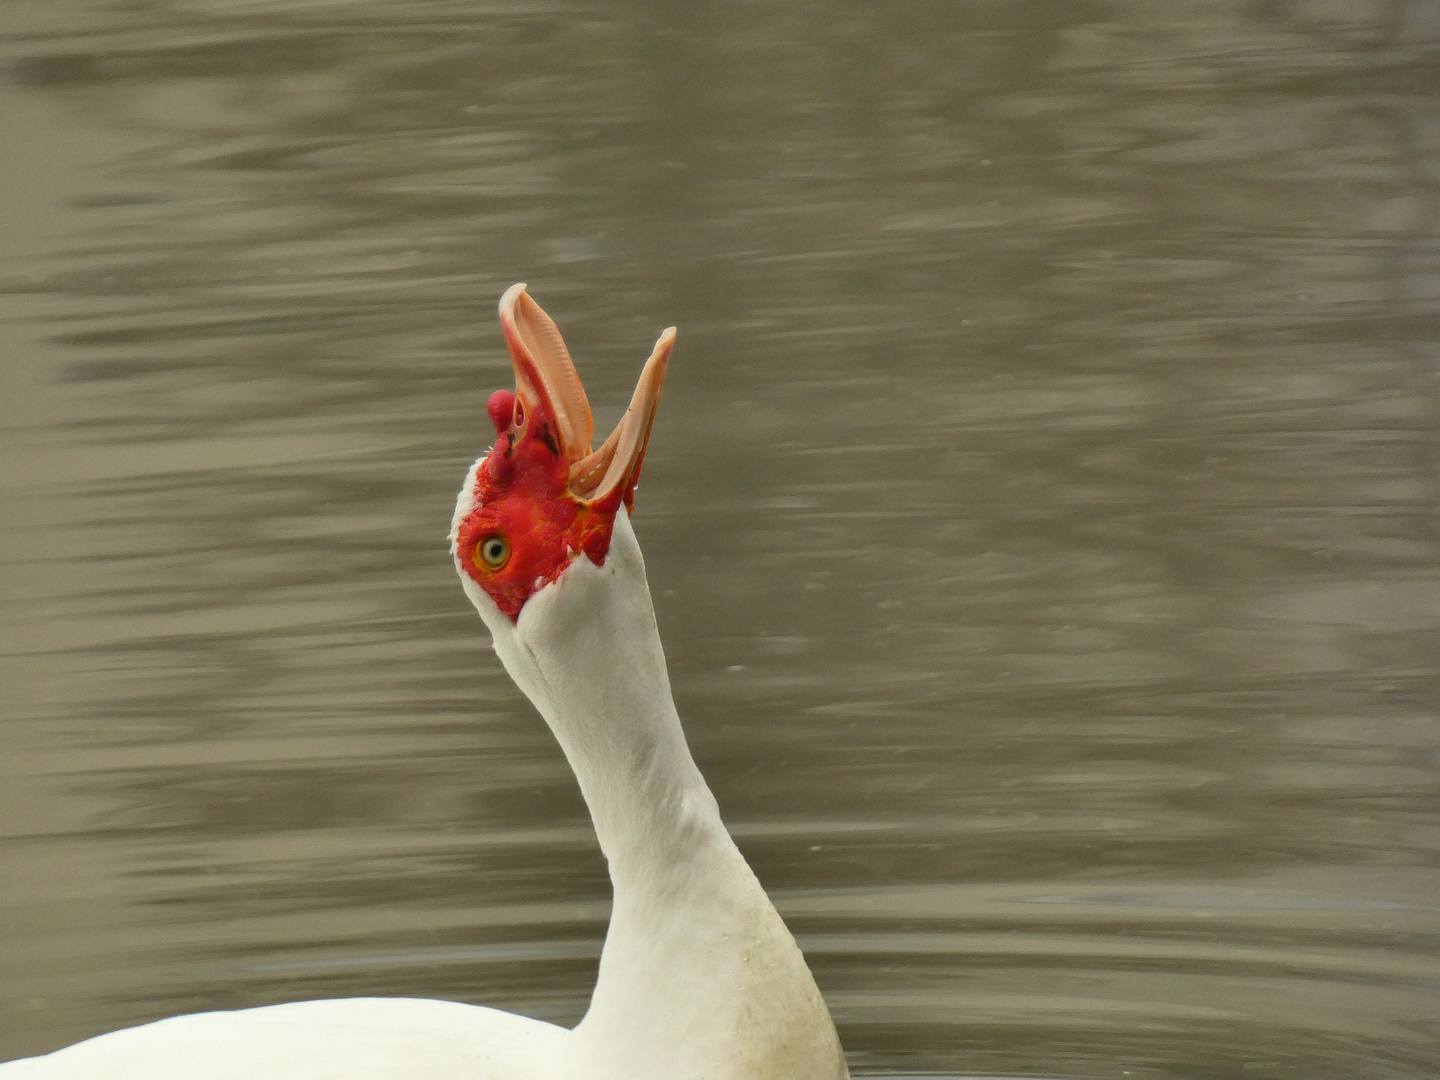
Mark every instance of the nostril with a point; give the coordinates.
(519, 414)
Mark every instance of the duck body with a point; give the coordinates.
(342, 1039)
(699, 978)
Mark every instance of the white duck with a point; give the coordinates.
(699, 979)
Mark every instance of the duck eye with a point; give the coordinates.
(492, 552)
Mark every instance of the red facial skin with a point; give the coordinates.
(522, 496)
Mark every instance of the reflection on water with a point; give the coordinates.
(1040, 516)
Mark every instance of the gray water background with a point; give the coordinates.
(1041, 515)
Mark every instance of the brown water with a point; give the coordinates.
(1041, 516)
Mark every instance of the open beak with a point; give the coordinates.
(547, 386)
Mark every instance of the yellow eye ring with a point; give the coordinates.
(492, 552)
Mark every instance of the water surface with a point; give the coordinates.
(1040, 516)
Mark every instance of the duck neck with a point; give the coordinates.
(697, 967)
